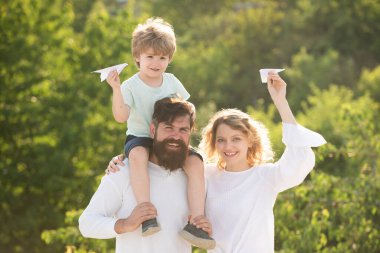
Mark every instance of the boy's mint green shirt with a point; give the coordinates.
(140, 98)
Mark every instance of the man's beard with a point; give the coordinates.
(167, 158)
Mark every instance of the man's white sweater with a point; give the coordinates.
(240, 204)
(114, 199)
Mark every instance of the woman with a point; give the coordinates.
(242, 186)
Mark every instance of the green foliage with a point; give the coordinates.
(70, 238)
(350, 128)
(308, 70)
(369, 83)
(329, 214)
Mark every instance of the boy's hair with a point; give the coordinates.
(169, 108)
(155, 33)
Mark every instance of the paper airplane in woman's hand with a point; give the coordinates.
(104, 72)
(264, 73)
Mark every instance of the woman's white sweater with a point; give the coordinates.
(240, 204)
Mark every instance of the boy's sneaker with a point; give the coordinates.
(197, 237)
(149, 227)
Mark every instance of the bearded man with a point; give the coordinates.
(112, 211)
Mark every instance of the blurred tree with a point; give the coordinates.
(308, 70)
(221, 55)
(369, 83)
(329, 215)
(56, 127)
(350, 128)
(346, 26)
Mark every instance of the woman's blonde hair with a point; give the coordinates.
(155, 33)
(259, 151)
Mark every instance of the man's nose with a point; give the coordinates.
(175, 135)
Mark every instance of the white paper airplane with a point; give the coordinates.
(264, 73)
(104, 72)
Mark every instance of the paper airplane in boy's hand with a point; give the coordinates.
(264, 73)
(104, 72)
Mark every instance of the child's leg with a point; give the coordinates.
(139, 177)
(196, 195)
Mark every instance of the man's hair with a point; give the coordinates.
(169, 108)
(155, 33)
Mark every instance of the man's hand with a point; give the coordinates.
(203, 223)
(113, 164)
(140, 213)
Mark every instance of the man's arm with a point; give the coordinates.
(98, 219)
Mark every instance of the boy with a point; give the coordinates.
(153, 47)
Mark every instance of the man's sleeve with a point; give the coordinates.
(98, 219)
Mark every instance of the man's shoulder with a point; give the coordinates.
(120, 178)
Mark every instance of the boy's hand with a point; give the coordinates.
(113, 79)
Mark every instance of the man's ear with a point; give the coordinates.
(152, 130)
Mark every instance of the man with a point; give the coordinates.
(112, 211)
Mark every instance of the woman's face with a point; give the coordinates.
(232, 146)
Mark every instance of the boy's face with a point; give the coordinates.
(152, 65)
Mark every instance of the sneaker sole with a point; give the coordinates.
(198, 242)
(151, 231)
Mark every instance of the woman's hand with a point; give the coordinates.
(277, 90)
(276, 87)
(113, 164)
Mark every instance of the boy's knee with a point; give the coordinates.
(138, 151)
(193, 162)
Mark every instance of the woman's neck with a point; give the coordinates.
(237, 167)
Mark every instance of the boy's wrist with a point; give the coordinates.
(116, 88)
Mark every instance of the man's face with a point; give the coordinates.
(171, 142)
